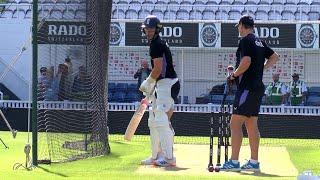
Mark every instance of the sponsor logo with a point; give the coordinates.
(67, 30)
(269, 34)
(209, 35)
(171, 32)
(54, 32)
(175, 34)
(307, 35)
(116, 34)
(265, 32)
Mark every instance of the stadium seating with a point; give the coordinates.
(158, 13)
(314, 91)
(68, 14)
(229, 99)
(132, 88)
(110, 97)
(131, 97)
(56, 14)
(314, 15)
(195, 14)
(216, 99)
(230, 9)
(274, 15)
(143, 13)
(122, 87)
(178, 9)
(160, 5)
(314, 100)
(185, 100)
(132, 14)
(7, 14)
(119, 14)
(80, 14)
(199, 5)
(234, 14)
(182, 14)
(287, 15)
(119, 97)
(169, 14)
(208, 14)
(222, 15)
(111, 87)
(122, 92)
(28, 14)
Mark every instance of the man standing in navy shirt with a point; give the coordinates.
(251, 62)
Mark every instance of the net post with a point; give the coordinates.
(105, 54)
(34, 83)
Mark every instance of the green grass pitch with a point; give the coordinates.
(124, 161)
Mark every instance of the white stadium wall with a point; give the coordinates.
(14, 34)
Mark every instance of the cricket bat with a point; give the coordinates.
(135, 120)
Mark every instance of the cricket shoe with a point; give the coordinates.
(149, 161)
(249, 166)
(164, 162)
(230, 166)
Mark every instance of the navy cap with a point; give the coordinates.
(246, 20)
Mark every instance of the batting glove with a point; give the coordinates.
(147, 85)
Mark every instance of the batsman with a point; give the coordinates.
(163, 79)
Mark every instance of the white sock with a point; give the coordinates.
(235, 161)
(253, 161)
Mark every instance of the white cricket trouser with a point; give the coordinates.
(161, 134)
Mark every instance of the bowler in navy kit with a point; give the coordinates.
(253, 57)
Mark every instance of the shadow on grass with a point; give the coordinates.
(262, 174)
(120, 142)
(51, 172)
(175, 168)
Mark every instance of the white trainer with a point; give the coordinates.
(149, 161)
(166, 162)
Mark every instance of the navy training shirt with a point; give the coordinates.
(258, 50)
(160, 49)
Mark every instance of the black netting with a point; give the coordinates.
(72, 68)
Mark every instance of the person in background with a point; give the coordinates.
(297, 91)
(61, 82)
(232, 88)
(276, 91)
(43, 83)
(142, 74)
(50, 94)
(80, 85)
(68, 62)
